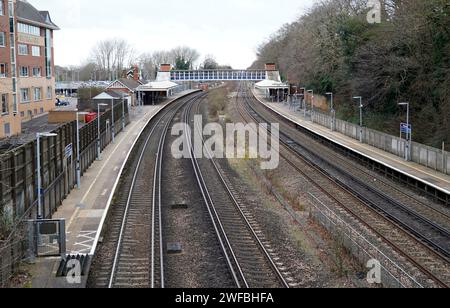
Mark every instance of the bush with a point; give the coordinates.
(217, 102)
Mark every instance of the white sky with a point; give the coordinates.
(229, 29)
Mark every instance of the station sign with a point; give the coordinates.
(405, 128)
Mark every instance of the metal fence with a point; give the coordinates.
(424, 155)
(18, 180)
(391, 274)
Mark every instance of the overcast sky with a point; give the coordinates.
(229, 29)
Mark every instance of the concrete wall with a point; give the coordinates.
(427, 156)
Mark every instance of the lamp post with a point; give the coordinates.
(295, 95)
(78, 166)
(333, 113)
(99, 145)
(312, 104)
(123, 113)
(302, 98)
(113, 125)
(304, 101)
(40, 212)
(360, 117)
(408, 132)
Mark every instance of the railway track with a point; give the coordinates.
(434, 263)
(133, 256)
(249, 260)
(135, 244)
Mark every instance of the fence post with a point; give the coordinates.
(31, 247)
(444, 165)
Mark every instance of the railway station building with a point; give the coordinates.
(273, 90)
(153, 92)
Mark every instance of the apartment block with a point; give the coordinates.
(27, 80)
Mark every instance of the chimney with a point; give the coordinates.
(271, 67)
(165, 67)
(136, 73)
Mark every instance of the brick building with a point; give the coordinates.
(128, 85)
(27, 82)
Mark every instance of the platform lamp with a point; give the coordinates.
(312, 104)
(123, 112)
(408, 132)
(78, 166)
(333, 113)
(361, 106)
(113, 125)
(304, 101)
(40, 212)
(99, 145)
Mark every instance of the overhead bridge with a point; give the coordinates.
(220, 75)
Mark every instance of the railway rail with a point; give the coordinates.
(250, 262)
(404, 240)
(136, 241)
(134, 248)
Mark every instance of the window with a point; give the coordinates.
(30, 113)
(10, 8)
(36, 72)
(48, 53)
(2, 9)
(3, 70)
(35, 111)
(7, 129)
(36, 51)
(22, 114)
(5, 106)
(23, 50)
(37, 94)
(25, 95)
(2, 39)
(24, 71)
(28, 29)
(49, 92)
(41, 110)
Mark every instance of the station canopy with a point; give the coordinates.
(270, 84)
(158, 86)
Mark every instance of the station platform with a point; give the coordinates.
(428, 177)
(85, 209)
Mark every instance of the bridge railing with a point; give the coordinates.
(215, 75)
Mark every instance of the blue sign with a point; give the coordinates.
(405, 128)
(68, 150)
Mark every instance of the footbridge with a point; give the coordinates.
(219, 75)
(167, 74)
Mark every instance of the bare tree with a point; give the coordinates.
(148, 66)
(163, 57)
(210, 63)
(113, 56)
(186, 55)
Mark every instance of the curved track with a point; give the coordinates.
(133, 253)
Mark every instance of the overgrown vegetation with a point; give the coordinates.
(404, 58)
(217, 102)
(6, 225)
